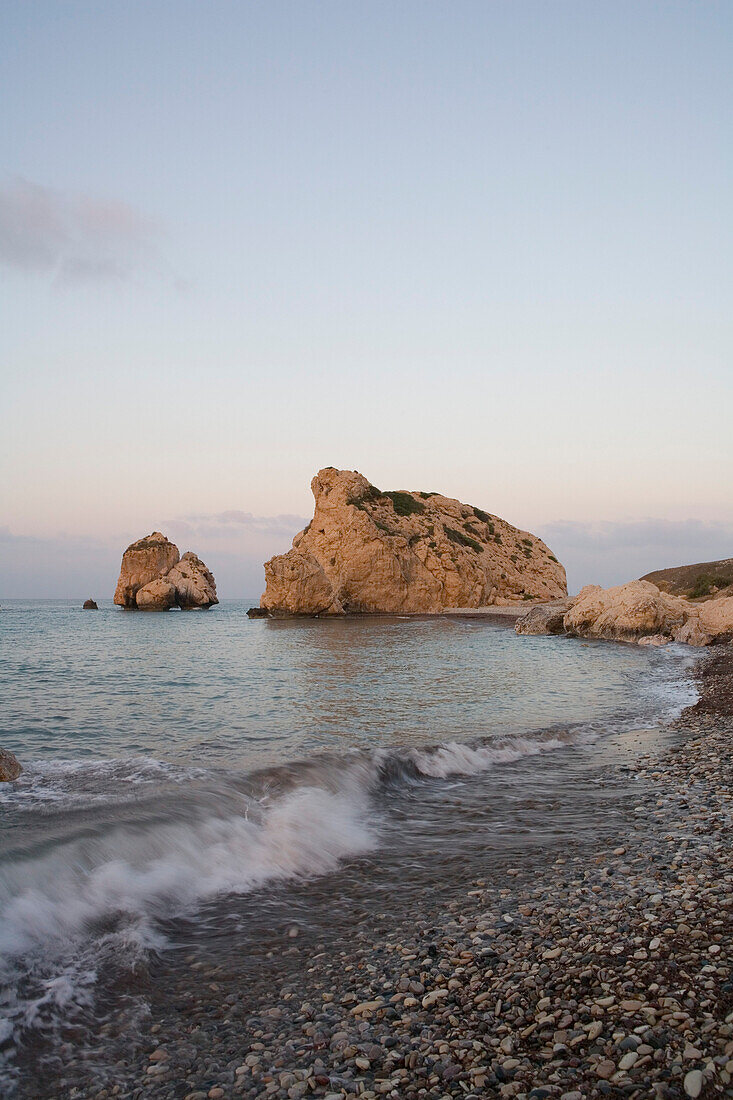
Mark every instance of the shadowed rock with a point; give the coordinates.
(545, 619)
(89, 605)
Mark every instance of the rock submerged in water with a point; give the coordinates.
(89, 605)
(10, 768)
(404, 552)
(154, 578)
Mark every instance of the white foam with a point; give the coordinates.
(454, 758)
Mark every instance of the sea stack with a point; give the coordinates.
(153, 577)
(406, 552)
(89, 605)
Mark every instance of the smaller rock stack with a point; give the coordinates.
(153, 577)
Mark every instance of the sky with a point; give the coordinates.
(481, 248)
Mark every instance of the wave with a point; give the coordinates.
(98, 881)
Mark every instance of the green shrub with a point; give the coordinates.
(528, 542)
(705, 582)
(426, 496)
(462, 540)
(405, 504)
(483, 516)
(370, 493)
(472, 531)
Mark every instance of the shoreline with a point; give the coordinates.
(604, 973)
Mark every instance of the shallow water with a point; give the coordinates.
(200, 778)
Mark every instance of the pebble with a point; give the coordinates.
(693, 1083)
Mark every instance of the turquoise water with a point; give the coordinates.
(175, 762)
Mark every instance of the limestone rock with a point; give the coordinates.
(655, 639)
(691, 632)
(194, 583)
(10, 769)
(157, 595)
(716, 618)
(627, 612)
(406, 552)
(153, 578)
(142, 562)
(89, 605)
(297, 584)
(544, 619)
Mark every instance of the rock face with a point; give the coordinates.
(545, 619)
(194, 584)
(10, 769)
(157, 595)
(625, 613)
(408, 552)
(715, 619)
(142, 562)
(89, 605)
(154, 578)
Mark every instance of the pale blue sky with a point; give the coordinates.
(482, 248)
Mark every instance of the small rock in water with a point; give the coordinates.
(90, 605)
(10, 769)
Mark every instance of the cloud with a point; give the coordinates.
(234, 524)
(233, 544)
(74, 238)
(613, 552)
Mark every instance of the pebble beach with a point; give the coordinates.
(604, 973)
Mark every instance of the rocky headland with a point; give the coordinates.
(635, 612)
(366, 550)
(154, 577)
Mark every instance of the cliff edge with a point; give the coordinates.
(407, 552)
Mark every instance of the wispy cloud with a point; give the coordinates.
(74, 238)
(233, 524)
(610, 553)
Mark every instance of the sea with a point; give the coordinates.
(205, 782)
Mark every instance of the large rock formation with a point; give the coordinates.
(154, 578)
(370, 551)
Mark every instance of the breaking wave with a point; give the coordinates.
(124, 847)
